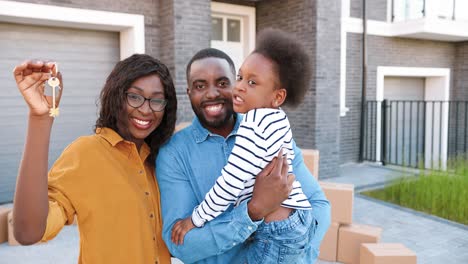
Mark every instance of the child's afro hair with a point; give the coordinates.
(292, 61)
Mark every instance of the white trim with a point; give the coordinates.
(383, 71)
(130, 26)
(422, 28)
(437, 87)
(374, 27)
(248, 15)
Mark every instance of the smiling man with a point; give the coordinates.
(210, 83)
(188, 166)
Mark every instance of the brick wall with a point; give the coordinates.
(376, 9)
(461, 72)
(328, 85)
(458, 129)
(292, 16)
(316, 24)
(383, 51)
(188, 28)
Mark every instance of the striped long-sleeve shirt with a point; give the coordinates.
(261, 135)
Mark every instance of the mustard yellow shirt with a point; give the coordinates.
(104, 181)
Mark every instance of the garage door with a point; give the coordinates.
(85, 58)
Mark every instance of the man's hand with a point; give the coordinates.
(272, 186)
(180, 229)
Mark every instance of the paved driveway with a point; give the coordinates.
(434, 240)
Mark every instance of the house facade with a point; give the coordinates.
(416, 59)
(89, 37)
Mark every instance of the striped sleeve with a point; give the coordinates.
(244, 163)
(276, 131)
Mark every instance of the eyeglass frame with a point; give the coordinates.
(164, 101)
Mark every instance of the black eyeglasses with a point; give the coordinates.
(135, 100)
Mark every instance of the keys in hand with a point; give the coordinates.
(54, 83)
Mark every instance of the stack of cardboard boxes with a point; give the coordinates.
(346, 241)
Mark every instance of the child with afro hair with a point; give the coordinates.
(276, 73)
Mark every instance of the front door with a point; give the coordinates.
(226, 35)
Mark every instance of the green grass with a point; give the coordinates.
(440, 193)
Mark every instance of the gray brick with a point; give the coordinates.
(317, 25)
(376, 9)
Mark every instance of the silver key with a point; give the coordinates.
(54, 83)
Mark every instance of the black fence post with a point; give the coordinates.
(383, 141)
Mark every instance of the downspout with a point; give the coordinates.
(364, 79)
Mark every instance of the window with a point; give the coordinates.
(408, 9)
(226, 29)
(217, 28)
(445, 9)
(234, 30)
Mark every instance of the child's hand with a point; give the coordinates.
(180, 229)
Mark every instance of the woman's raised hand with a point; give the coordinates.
(30, 78)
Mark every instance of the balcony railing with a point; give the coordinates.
(403, 10)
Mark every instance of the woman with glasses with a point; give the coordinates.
(107, 179)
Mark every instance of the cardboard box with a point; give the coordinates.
(311, 160)
(341, 197)
(329, 246)
(11, 237)
(386, 253)
(350, 238)
(4, 224)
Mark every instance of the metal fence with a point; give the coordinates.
(415, 133)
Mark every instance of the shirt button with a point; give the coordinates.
(154, 238)
(234, 243)
(141, 172)
(147, 193)
(249, 228)
(151, 215)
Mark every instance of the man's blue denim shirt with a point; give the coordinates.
(187, 167)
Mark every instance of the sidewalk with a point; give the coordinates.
(433, 239)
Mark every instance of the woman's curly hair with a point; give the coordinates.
(112, 99)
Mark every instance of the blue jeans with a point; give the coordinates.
(286, 241)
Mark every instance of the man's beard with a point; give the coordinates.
(216, 124)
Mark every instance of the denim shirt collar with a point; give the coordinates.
(201, 134)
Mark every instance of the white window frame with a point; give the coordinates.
(247, 23)
(130, 26)
(225, 26)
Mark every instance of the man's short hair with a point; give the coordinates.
(209, 53)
